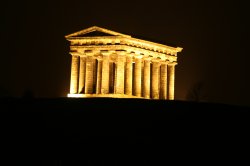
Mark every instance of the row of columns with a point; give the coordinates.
(131, 75)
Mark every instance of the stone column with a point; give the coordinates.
(163, 82)
(128, 75)
(82, 74)
(119, 87)
(74, 74)
(89, 75)
(94, 74)
(146, 80)
(137, 76)
(171, 79)
(111, 77)
(114, 75)
(105, 75)
(155, 79)
(99, 76)
(142, 77)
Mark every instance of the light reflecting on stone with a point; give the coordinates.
(111, 64)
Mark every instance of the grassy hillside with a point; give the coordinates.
(120, 131)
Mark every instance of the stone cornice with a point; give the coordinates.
(156, 46)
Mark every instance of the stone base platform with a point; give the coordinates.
(103, 95)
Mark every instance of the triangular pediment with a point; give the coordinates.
(95, 31)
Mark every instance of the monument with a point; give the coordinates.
(106, 63)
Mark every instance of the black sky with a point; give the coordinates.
(214, 35)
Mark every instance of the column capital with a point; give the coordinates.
(147, 58)
(121, 52)
(89, 54)
(75, 53)
(165, 62)
(106, 52)
(129, 58)
(129, 55)
(156, 60)
(172, 63)
(98, 57)
(138, 56)
(164, 58)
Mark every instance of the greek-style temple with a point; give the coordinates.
(110, 64)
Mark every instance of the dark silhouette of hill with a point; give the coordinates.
(110, 131)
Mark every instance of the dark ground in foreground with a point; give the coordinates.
(108, 131)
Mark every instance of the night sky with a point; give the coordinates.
(214, 35)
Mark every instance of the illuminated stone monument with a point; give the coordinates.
(110, 64)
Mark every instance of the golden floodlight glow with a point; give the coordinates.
(111, 64)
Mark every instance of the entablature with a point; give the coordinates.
(120, 50)
(120, 40)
